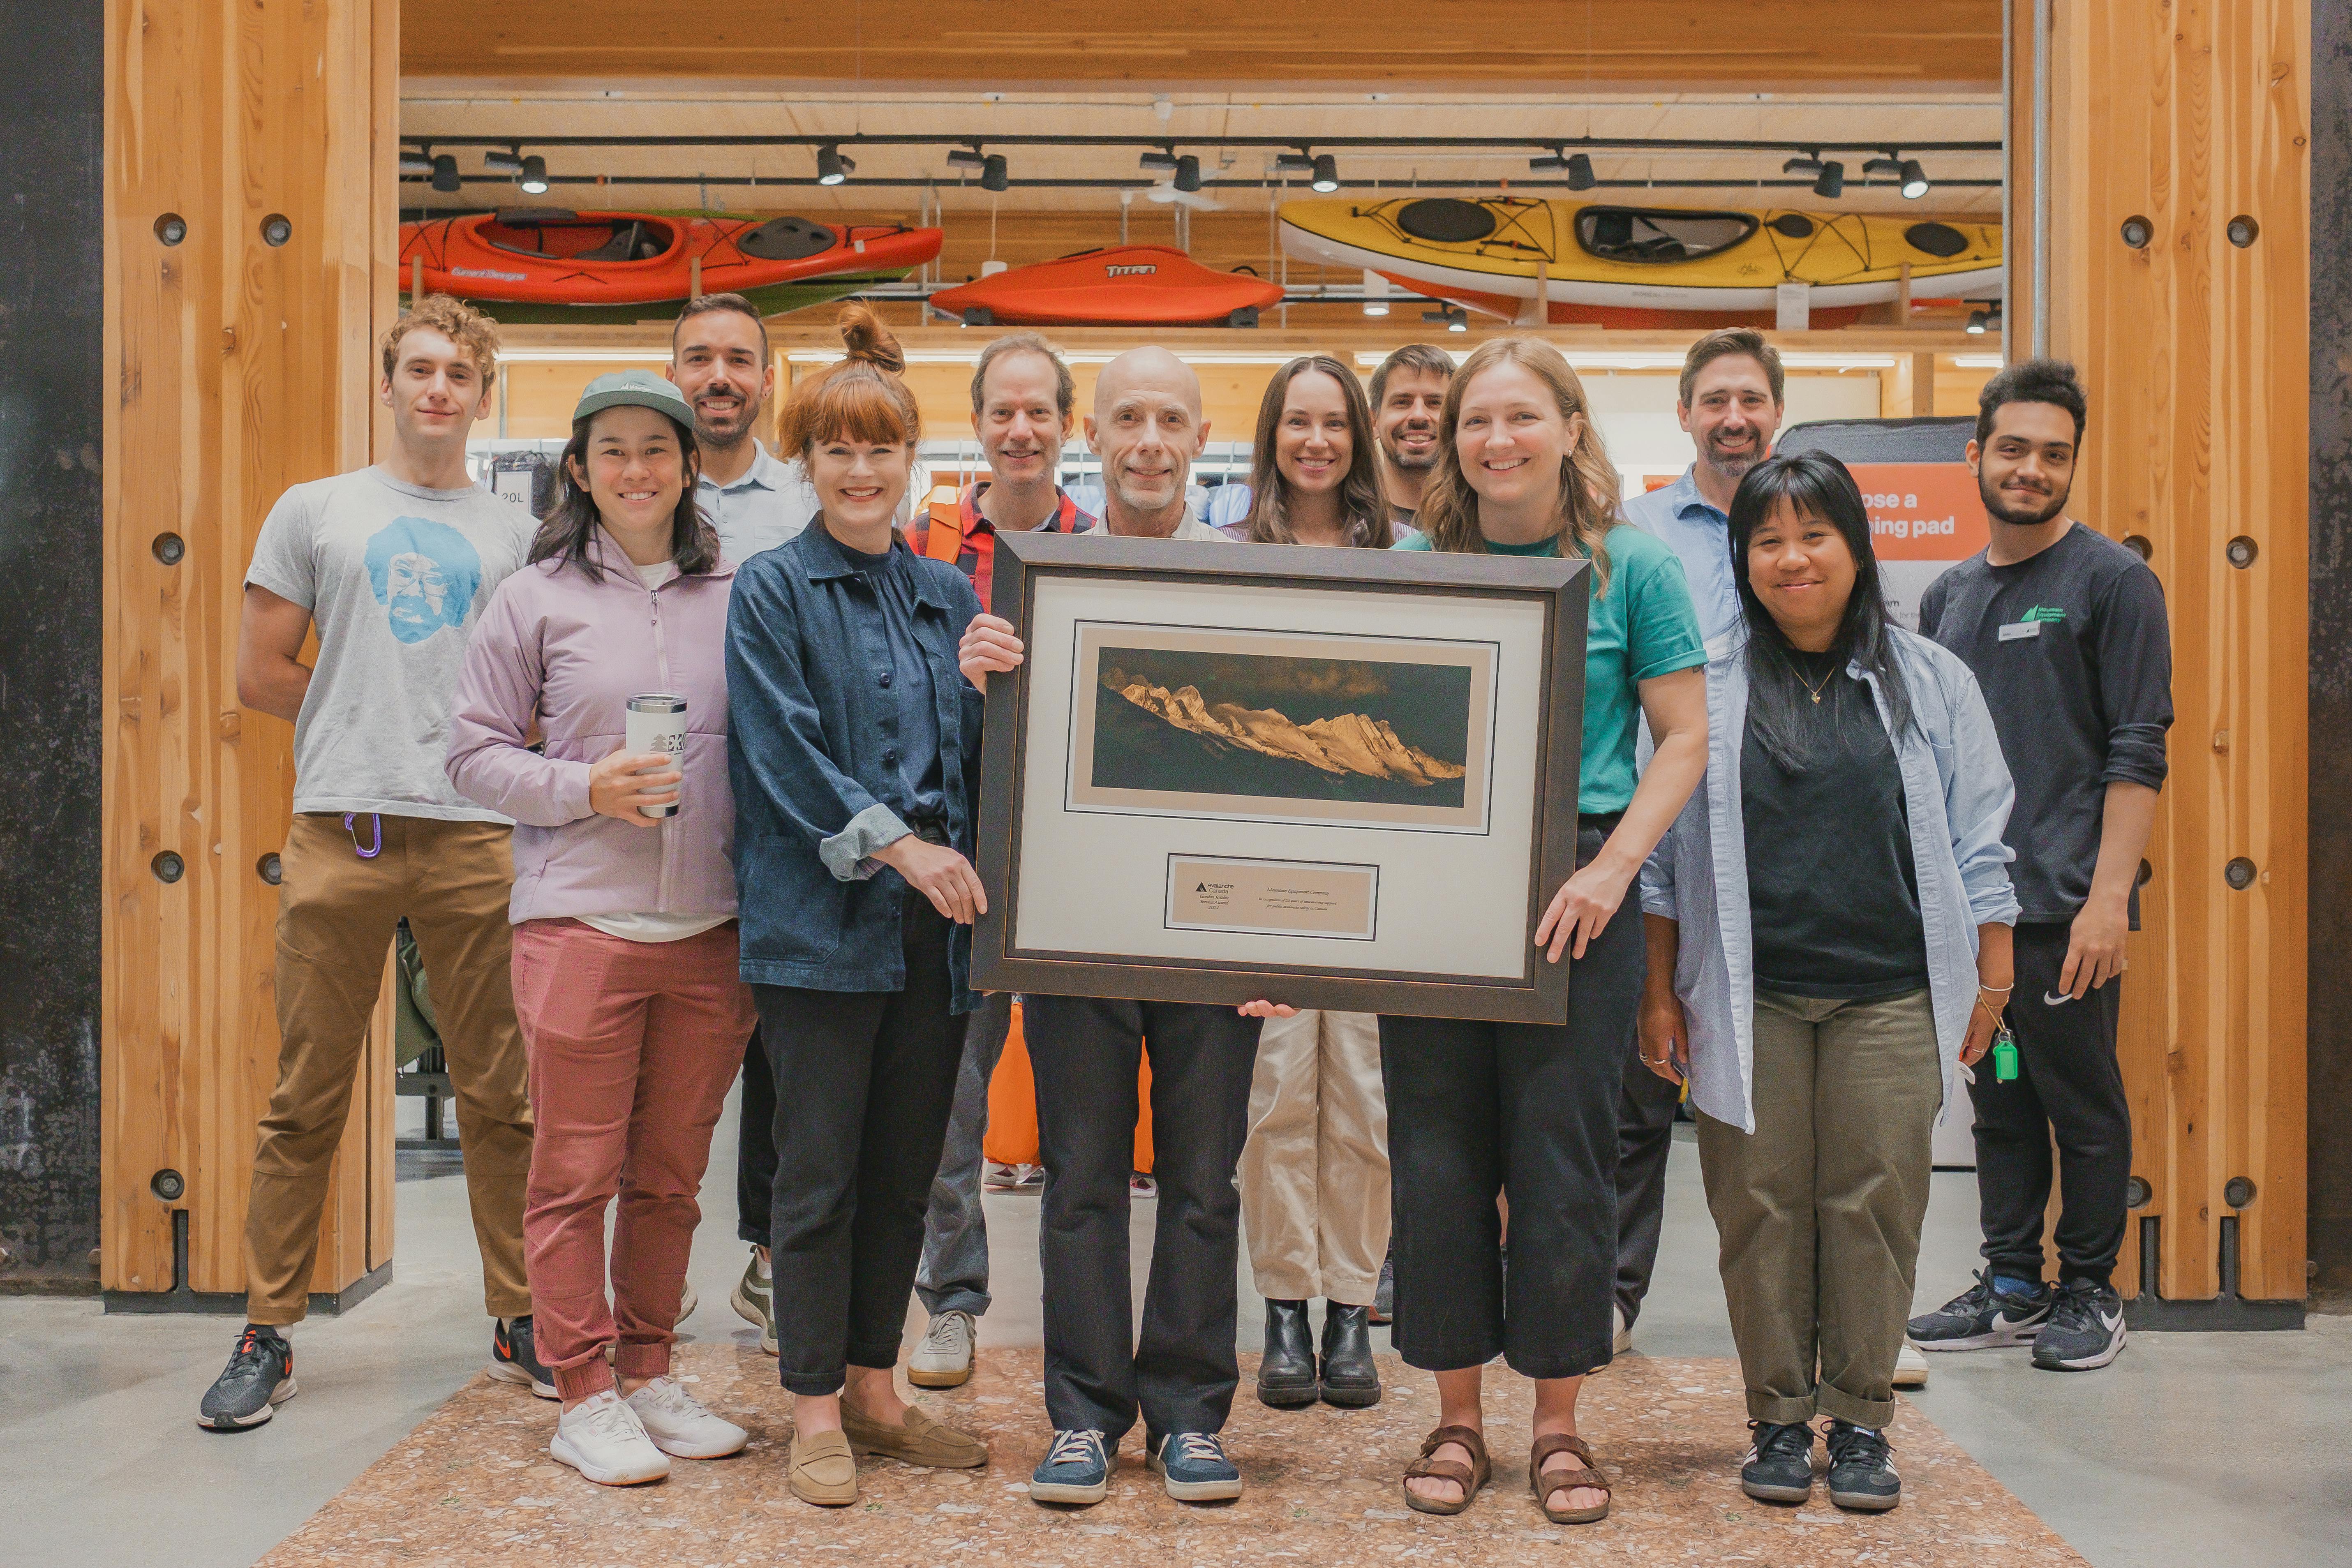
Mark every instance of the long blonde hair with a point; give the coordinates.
(1588, 485)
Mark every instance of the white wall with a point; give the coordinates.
(1635, 411)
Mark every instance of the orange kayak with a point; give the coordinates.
(583, 260)
(1140, 285)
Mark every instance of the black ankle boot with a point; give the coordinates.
(1351, 1377)
(1285, 1373)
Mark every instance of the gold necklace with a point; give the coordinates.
(1816, 690)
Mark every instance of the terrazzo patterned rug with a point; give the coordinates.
(473, 1485)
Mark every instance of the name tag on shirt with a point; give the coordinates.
(2016, 631)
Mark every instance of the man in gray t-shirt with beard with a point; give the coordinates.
(392, 564)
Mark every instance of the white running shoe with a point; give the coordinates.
(944, 1358)
(1910, 1368)
(603, 1440)
(678, 1425)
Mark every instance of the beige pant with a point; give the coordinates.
(1315, 1173)
(1819, 1209)
(336, 912)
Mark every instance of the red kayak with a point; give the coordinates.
(1126, 285)
(581, 261)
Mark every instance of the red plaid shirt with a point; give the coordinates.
(976, 546)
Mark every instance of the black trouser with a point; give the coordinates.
(755, 1146)
(2068, 1085)
(1085, 1054)
(864, 1082)
(1528, 1110)
(1646, 1137)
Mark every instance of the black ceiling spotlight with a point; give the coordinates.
(1160, 161)
(1326, 174)
(1915, 179)
(445, 173)
(1188, 172)
(534, 175)
(831, 168)
(1299, 163)
(1986, 320)
(993, 176)
(1831, 183)
(503, 162)
(1578, 167)
(1456, 318)
(417, 162)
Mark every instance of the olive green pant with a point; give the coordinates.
(336, 911)
(1819, 1209)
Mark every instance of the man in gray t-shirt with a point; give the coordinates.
(392, 565)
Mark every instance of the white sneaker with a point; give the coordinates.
(678, 1425)
(1910, 1368)
(603, 1440)
(944, 1358)
(1621, 1334)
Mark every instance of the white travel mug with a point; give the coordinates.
(657, 722)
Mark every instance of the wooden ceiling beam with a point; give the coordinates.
(1213, 45)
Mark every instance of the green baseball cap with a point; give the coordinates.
(634, 388)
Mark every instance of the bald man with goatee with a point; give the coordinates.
(1146, 429)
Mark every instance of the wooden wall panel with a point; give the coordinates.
(2195, 350)
(1212, 43)
(242, 368)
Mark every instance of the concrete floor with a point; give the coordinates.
(2192, 1450)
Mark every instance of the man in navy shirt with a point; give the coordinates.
(2065, 630)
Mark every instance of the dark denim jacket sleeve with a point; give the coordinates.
(787, 774)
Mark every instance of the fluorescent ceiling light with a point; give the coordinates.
(584, 356)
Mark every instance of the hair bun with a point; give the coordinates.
(868, 340)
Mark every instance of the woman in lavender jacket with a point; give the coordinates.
(624, 946)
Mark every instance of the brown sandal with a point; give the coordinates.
(1470, 1477)
(1545, 1487)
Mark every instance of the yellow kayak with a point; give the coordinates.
(1637, 265)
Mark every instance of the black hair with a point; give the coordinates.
(2048, 381)
(1810, 484)
(572, 521)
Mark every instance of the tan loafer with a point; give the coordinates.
(822, 1470)
(921, 1441)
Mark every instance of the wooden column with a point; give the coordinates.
(2192, 117)
(262, 138)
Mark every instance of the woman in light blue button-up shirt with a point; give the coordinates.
(1829, 923)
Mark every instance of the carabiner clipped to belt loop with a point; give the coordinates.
(370, 853)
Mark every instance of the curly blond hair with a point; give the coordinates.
(474, 333)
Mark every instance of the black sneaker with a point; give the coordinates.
(1859, 1476)
(1779, 1467)
(258, 1377)
(1981, 1317)
(513, 1359)
(2085, 1330)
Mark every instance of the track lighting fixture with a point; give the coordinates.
(1548, 162)
(1978, 322)
(1915, 179)
(1456, 318)
(1326, 174)
(501, 162)
(1580, 176)
(1299, 163)
(966, 158)
(1376, 293)
(1159, 162)
(1803, 163)
(1832, 181)
(534, 175)
(415, 162)
(831, 168)
(1188, 172)
(993, 176)
(445, 173)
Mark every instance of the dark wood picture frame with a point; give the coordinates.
(1540, 995)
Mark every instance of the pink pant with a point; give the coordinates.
(632, 1047)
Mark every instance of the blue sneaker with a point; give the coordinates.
(1075, 1469)
(1193, 1466)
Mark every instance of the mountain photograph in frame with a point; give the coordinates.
(1263, 725)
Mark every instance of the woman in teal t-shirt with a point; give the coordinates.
(1529, 1112)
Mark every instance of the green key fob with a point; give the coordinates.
(2004, 1056)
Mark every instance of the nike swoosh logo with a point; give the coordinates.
(2058, 1000)
(2112, 1323)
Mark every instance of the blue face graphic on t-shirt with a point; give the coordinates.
(425, 574)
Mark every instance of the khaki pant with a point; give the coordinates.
(1819, 1209)
(336, 911)
(1315, 1174)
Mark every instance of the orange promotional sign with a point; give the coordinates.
(1923, 511)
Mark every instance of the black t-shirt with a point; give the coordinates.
(2071, 649)
(1833, 891)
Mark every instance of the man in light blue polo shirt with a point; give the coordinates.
(1730, 403)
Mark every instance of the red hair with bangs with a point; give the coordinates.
(860, 398)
